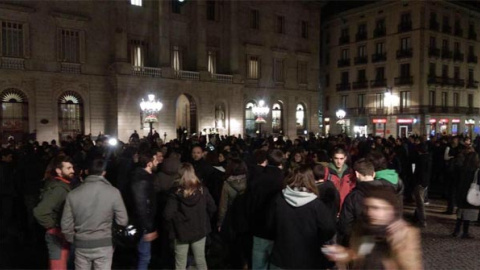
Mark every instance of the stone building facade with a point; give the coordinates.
(69, 67)
(402, 67)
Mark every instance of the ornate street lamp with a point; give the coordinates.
(150, 108)
(341, 115)
(260, 111)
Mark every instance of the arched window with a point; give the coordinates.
(249, 119)
(14, 114)
(300, 116)
(70, 115)
(277, 118)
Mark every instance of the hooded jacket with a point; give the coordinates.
(232, 187)
(48, 212)
(391, 177)
(89, 213)
(301, 225)
(190, 215)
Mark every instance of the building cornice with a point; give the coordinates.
(18, 8)
(67, 16)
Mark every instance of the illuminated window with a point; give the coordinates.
(249, 119)
(277, 119)
(300, 119)
(176, 58)
(70, 114)
(137, 52)
(136, 2)
(253, 67)
(212, 62)
(14, 114)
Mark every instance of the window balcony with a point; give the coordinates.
(405, 53)
(344, 86)
(146, 71)
(458, 32)
(472, 35)
(407, 80)
(360, 84)
(434, 25)
(446, 54)
(433, 52)
(434, 80)
(360, 60)
(344, 40)
(379, 32)
(457, 56)
(447, 29)
(378, 83)
(357, 111)
(343, 62)
(361, 36)
(458, 83)
(188, 75)
(222, 78)
(471, 84)
(12, 63)
(74, 68)
(379, 57)
(405, 27)
(472, 59)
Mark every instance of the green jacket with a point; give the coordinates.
(48, 212)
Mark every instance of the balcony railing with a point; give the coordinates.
(471, 84)
(378, 83)
(422, 109)
(457, 56)
(344, 40)
(360, 84)
(472, 35)
(344, 86)
(13, 63)
(361, 60)
(434, 80)
(472, 59)
(343, 62)
(379, 57)
(458, 32)
(71, 68)
(379, 32)
(146, 71)
(188, 75)
(223, 78)
(433, 52)
(434, 25)
(361, 36)
(357, 111)
(459, 83)
(405, 27)
(404, 80)
(404, 53)
(446, 54)
(447, 29)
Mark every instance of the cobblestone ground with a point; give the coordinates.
(442, 251)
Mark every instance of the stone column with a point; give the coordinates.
(201, 19)
(164, 35)
(234, 64)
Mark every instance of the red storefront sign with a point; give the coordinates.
(432, 121)
(404, 121)
(379, 121)
(443, 121)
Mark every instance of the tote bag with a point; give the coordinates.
(473, 195)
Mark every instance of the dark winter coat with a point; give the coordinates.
(423, 169)
(266, 182)
(191, 215)
(463, 183)
(300, 232)
(144, 201)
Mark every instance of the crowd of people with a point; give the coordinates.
(232, 202)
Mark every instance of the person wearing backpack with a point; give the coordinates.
(48, 212)
(190, 208)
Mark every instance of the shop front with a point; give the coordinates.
(404, 127)
(470, 127)
(455, 127)
(443, 126)
(380, 127)
(360, 128)
(432, 127)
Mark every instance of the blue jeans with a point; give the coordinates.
(144, 254)
(262, 248)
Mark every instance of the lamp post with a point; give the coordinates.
(150, 108)
(260, 111)
(341, 115)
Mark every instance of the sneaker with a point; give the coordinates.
(467, 236)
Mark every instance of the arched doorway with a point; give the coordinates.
(277, 118)
(14, 114)
(70, 115)
(186, 115)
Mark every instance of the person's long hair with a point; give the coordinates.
(189, 182)
(302, 179)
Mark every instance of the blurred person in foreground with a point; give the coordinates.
(381, 239)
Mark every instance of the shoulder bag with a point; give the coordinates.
(473, 195)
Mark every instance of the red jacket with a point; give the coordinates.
(344, 184)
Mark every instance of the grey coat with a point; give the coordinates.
(89, 213)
